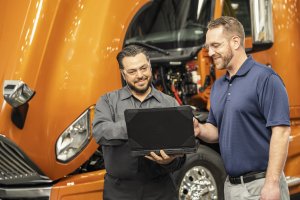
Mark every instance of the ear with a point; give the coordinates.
(236, 42)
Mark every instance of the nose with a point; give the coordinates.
(139, 73)
(211, 51)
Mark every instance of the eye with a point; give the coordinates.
(131, 72)
(144, 68)
(216, 45)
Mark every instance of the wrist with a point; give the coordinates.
(272, 179)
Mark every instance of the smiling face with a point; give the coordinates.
(137, 73)
(219, 48)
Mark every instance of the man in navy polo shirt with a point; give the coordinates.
(249, 117)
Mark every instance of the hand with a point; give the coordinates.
(196, 127)
(163, 159)
(270, 191)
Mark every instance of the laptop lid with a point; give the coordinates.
(152, 129)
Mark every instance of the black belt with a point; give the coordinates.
(247, 177)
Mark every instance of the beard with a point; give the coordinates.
(225, 59)
(143, 89)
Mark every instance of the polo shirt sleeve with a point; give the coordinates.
(211, 118)
(274, 102)
(105, 130)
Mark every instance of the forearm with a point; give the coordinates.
(278, 153)
(108, 131)
(107, 128)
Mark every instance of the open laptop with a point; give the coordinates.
(152, 129)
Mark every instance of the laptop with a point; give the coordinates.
(152, 129)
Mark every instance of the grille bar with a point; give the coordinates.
(15, 167)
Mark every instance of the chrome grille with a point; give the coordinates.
(15, 167)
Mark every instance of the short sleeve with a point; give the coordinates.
(274, 102)
(211, 118)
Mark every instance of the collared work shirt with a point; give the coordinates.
(244, 108)
(110, 131)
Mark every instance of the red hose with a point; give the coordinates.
(176, 95)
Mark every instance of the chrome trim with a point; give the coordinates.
(16, 167)
(262, 21)
(32, 192)
(16, 93)
(292, 181)
(198, 183)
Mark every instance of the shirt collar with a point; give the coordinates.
(244, 69)
(125, 93)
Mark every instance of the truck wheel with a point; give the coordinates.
(202, 176)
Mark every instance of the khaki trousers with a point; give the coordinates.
(251, 190)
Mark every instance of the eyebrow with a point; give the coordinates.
(212, 44)
(145, 65)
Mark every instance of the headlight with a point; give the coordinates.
(74, 138)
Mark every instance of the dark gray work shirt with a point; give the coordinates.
(244, 108)
(109, 130)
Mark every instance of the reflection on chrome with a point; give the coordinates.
(16, 93)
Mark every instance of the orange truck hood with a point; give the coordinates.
(65, 51)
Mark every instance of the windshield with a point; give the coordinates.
(170, 24)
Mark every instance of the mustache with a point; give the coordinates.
(143, 78)
(216, 56)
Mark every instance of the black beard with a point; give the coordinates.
(140, 91)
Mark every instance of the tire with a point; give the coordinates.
(202, 176)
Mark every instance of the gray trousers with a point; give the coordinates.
(251, 190)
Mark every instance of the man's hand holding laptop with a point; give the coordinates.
(163, 158)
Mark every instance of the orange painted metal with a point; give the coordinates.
(80, 187)
(65, 51)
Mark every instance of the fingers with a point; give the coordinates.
(150, 158)
(195, 121)
(164, 155)
(155, 156)
(196, 127)
(163, 158)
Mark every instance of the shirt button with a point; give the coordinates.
(229, 93)
(230, 84)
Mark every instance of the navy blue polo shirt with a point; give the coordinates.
(244, 108)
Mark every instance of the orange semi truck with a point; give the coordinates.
(58, 56)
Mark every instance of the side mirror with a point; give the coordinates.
(262, 24)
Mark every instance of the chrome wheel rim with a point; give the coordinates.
(198, 183)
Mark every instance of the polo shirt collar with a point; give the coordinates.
(244, 69)
(125, 93)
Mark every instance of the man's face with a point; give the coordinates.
(219, 49)
(137, 73)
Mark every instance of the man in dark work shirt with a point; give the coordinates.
(131, 177)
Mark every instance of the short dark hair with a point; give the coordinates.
(130, 51)
(230, 25)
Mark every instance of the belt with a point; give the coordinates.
(247, 177)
